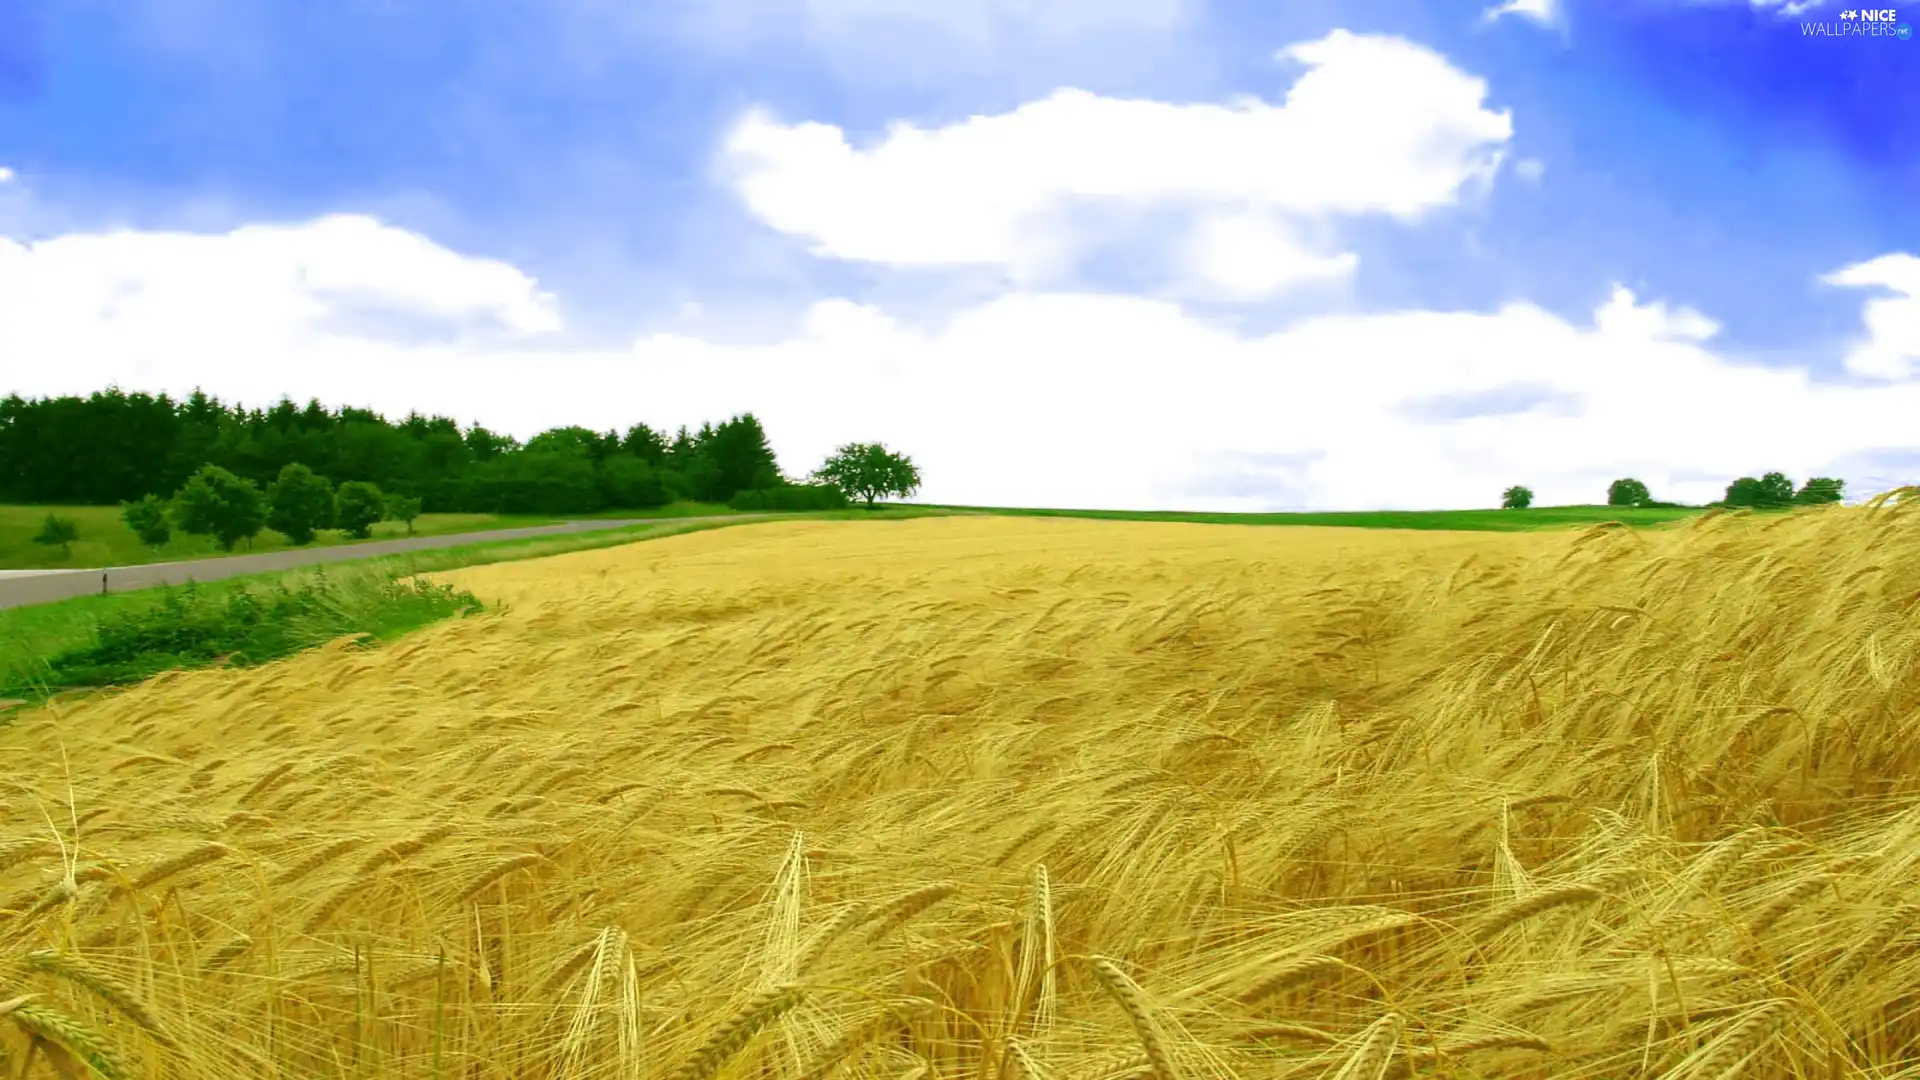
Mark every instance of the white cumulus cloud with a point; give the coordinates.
(1375, 125)
(1786, 8)
(1893, 322)
(1544, 12)
(1249, 255)
(263, 291)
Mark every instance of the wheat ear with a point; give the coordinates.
(1860, 955)
(1481, 1043)
(1291, 1031)
(100, 985)
(1029, 1068)
(1519, 911)
(1741, 1042)
(1801, 892)
(71, 1036)
(227, 953)
(15, 851)
(903, 910)
(186, 860)
(412, 845)
(318, 859)
(1133, 1001)
(1287, 974)
(497, 871)
(842, 1048)
(843, 920)
(1374, 1053)
(1123, 1064)
(759, 1011)
(266, 782)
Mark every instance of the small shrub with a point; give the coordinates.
(403, 508)
(58, 530)
(147, 517)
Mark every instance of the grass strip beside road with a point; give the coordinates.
(105, 541)
(34, 638)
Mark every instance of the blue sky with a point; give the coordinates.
(531, 213)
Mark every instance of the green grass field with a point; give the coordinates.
(105, 540)
(1541, 517)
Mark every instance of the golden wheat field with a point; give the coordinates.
(1015, 800)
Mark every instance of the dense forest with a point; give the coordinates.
(114, 446)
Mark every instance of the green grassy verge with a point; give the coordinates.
(105, 540)
(84, 641)
(192, 626)
(1543, 517)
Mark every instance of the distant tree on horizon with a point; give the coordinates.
(1516, 498)
(1770, 490)
(1628, 492)
(1820, 489)
(868, 471)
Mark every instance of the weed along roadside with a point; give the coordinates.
(193, 626)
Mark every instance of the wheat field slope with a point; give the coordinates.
(1014, 800)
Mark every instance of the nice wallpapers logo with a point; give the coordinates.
(1861, 23)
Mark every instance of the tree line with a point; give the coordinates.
(117, 447)
(1770, 491)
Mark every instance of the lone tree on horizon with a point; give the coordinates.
(869, 471)
(1516, 498)
(1628, 492)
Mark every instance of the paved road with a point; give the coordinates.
(19, 588)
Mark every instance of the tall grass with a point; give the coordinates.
(247, 624)
(1054, 799)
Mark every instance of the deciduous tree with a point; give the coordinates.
(214, 502)
(869, 471)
